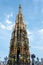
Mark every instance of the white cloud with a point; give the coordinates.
(9, 15)
(41, 31)
(8, 21)
(2, 26)
(8, 27)
(35, 36)
(8, 24)
(28, 32)
(30, 35)
(41, 34)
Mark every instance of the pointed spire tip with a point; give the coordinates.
(20, 8)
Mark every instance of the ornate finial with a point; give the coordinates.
(20, 8)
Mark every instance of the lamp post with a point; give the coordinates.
(32, 56)
(0, 57)
(5, 60)
(0, 61)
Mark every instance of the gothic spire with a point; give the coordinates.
(20, 8)
(19, 51)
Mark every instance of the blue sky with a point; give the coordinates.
(33, 18)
